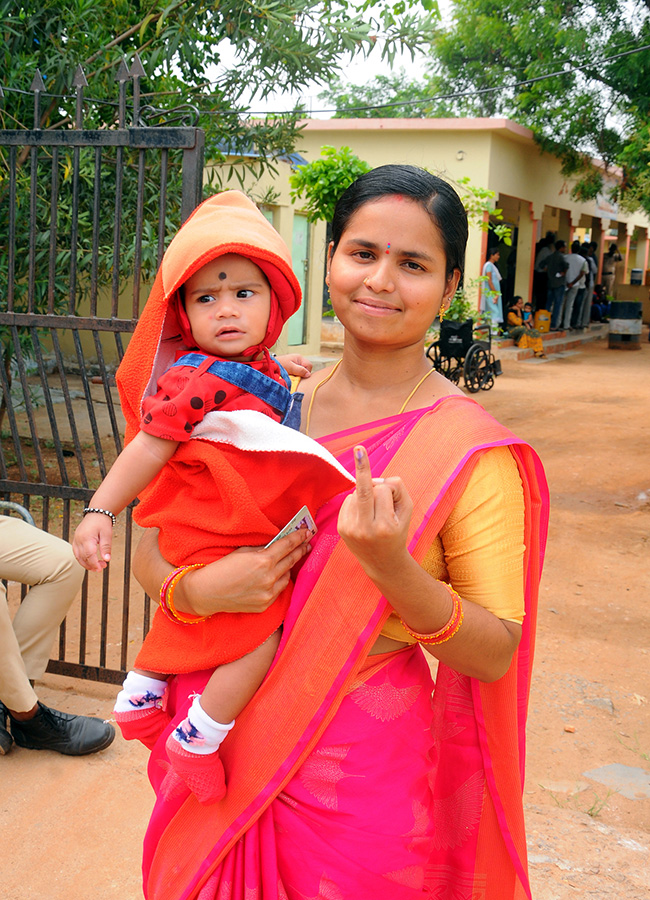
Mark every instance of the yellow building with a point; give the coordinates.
(493, 153)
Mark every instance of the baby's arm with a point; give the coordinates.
(135, 467)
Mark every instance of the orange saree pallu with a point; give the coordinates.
(346, 778)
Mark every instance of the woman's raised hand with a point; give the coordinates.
(374, 519)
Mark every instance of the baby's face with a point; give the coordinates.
(228, 303)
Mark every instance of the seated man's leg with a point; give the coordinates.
(47, 564)
(30, 556)
(15, 690)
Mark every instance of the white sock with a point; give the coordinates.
(204, 734)
(139, 692)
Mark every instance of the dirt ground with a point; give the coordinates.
(72, 828)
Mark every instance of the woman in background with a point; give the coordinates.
(491, 302)
(523, 333)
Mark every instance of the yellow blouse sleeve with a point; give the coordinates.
(480, 549)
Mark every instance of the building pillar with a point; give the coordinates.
(525, 251)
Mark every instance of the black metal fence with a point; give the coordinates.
(84, 218)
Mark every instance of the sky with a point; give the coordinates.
(358, 71)
(355, 72)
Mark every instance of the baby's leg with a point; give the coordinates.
(233, 685)
(140, 707)
(192, 747)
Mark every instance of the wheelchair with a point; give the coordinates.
(465, 349)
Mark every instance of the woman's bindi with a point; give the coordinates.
(222, 276)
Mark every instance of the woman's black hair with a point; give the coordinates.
(492, 251)
(436, 196)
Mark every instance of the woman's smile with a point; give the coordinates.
(375, 307)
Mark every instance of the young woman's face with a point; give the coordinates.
(387, 277)
(228, 303)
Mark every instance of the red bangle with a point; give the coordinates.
(167, 596)
(449, 629)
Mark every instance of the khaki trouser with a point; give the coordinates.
(31, 556)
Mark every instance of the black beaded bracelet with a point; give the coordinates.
(104, 512)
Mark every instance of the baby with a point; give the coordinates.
(217, 463)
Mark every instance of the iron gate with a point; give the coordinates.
(75, 263)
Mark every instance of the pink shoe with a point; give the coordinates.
(144, 725)
(203, 774)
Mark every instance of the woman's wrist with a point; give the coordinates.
(418, 598)
(195, 596)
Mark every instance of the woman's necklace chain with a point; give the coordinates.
(327, 378)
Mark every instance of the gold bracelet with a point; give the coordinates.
(449, 629)
(167, 596)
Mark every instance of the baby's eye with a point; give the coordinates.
(205, 298)
(244, 294)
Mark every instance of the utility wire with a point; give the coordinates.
(400, 103)
(488, 90)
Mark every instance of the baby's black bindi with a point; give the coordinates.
(222, 275)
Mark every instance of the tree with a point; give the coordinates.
(577, 75)
(386, 96)
(323, 180)
(204, 59)
(184, 47)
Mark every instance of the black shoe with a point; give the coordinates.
(6, 739)
(51, 729)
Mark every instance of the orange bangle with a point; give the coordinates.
(167, 596)
(449, 629)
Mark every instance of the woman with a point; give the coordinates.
(345, 778)
(523, 333)
(491, 303)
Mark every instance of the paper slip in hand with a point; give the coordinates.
(302, 519)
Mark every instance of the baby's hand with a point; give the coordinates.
(296, 365)
(92, 541)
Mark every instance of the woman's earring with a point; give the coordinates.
(441, 312)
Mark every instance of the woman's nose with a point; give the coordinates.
(381, 278)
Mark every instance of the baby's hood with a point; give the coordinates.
(225, 223)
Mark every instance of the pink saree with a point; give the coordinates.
(346, 778)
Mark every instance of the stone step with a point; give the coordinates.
(556, 344)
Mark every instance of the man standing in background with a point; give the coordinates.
(556, 269)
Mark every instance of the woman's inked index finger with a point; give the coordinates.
(362, 474)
